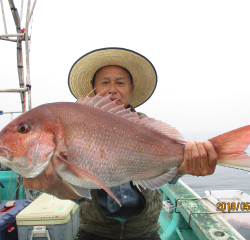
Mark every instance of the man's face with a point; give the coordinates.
(114, 80)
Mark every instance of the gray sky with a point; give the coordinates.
(200, 50)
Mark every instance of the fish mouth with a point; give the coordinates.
(5, 152)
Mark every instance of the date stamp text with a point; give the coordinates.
(233, 206)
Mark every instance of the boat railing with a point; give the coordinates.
(190, 217)
(182, 202)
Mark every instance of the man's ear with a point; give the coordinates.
(93, 85)
(132, 87)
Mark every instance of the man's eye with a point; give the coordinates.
(105, 83)
(120, 83)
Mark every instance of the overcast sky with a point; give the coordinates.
(200, 50)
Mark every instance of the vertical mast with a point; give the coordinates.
(21, 35)
(19, 54)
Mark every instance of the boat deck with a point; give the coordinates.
(192, 218)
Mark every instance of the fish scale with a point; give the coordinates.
(122, 139)
(96, 144)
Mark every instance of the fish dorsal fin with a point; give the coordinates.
(105, 104)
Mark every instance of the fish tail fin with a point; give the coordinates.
(230, 148)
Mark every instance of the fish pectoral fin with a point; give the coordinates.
(155, 183)
(83, 192)
(81, 174)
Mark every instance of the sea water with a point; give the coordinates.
(224, 178)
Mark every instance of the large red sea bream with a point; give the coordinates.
(95, 144)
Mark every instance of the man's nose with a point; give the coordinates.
(112, 88)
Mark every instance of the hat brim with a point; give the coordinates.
(142, 70)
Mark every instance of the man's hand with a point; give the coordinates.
(49, 182)
(200, 159)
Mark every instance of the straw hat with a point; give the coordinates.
(142, 70)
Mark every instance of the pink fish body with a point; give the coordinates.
(96, 144)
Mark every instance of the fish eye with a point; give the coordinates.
(23, 128)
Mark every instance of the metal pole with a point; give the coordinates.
(27, 55)
(14, 90)
(4, 21)
(19, 54)
(13, 35)
(21, 17)
(32, 10)
(7, 39)
(11, 112)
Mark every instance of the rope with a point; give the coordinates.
(9, 185)
(20, 183)
(4, 21)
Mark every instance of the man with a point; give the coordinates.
(130, 79)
